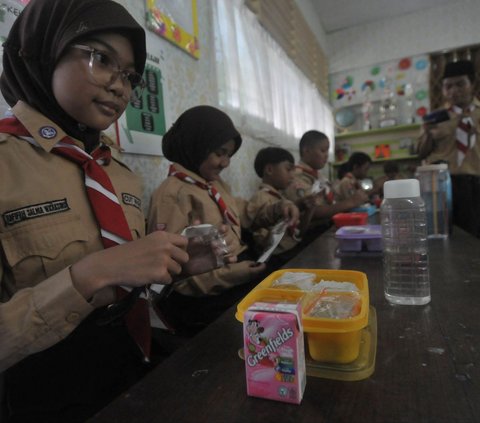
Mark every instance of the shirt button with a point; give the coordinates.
(72, 317)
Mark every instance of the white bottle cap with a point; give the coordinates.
(401, 188)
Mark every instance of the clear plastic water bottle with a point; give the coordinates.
(405, 253)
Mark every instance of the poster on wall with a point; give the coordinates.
(176, 21)
(9, 10)
(406, 79)
(146, 119)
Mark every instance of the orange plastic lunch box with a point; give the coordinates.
(328, 339)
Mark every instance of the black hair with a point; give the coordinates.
(310, 138)
(357, 159)
(342, 170)
(460, 68)
(390, 167)
(271, 155)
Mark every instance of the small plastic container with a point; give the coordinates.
(349, 219)
(329, 340)
(361, 237)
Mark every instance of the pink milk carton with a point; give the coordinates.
(274, 351)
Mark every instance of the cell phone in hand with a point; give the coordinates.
(437, 116)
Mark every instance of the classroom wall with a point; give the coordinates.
(429, 30)
(192, 82)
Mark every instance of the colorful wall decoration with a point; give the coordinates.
(176, 21)
(407, 78)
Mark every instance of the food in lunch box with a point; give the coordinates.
(295, 280)
(334, 305)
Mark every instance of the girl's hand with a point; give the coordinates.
(222, 248)
(228, 236)
(155, 258)
(256, 268)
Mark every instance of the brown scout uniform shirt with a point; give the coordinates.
(302, 186)
(346, 187)
(260, 213)
(445, 147)
(177, 204)
(46, 225)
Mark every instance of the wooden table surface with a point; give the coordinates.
(427, 364)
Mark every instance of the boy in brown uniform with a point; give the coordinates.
(356, 169)
(456, 142)
(276, 168)
(314, 146)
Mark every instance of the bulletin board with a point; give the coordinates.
(9, 10)
(146, 119)
(409, 76)
(176, 21)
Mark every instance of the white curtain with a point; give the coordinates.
(263, 91)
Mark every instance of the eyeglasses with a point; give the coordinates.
(105, 70)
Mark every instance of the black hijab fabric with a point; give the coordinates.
(38, 38)
(196, 133)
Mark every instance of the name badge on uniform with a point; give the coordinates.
(12, 217)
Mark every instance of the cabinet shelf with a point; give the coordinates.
(400, 140)
(377, 131)
(410, 157)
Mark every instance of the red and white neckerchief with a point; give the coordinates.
(113, 225)
(328, 195)
(212, 191)
(463, 136)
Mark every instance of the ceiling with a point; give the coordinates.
(340, 14)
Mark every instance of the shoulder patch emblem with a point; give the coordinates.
(47, 132)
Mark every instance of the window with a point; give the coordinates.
(266, 95)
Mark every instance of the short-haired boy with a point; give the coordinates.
(314, 146)
(276, 168)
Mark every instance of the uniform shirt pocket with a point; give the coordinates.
(136, 223)
(40, 249)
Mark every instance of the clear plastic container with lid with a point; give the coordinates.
(405, 252)
(436, 191)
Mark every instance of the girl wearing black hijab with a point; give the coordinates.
(70, 68)
(200, 145)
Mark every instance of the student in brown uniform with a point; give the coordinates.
(391, 172)
(314, 146)
(200, 145)
(356, 169)
(276, 166)
(69, 69)
(455, 140)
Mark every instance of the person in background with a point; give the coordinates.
(355, 169)
(314, 146)
(200, 145)
(72, 228)
(455, 141)
(275, 166)
(391, 173)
